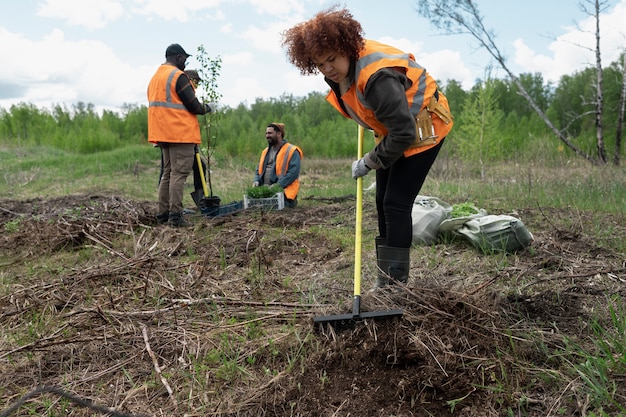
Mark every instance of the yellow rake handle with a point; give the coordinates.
(359, 220)
(202, 179)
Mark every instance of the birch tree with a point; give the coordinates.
(463, 17)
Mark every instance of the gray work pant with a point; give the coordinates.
(177, 165)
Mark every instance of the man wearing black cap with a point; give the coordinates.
(173, 126)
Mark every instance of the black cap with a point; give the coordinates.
(175, 49)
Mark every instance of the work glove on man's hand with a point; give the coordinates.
(211, 107)
(359, 168)
(255, 184)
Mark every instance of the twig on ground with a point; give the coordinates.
(157, 368)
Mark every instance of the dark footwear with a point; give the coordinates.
(162, 218)
(394, 265)
(382, 279)
(177, 220)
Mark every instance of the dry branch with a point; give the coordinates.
(157, 368)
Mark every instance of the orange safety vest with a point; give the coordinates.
(282, 162)
(168, 118)
(373, 57)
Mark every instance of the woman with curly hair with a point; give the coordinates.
(383, 89)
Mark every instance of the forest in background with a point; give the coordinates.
(493, 122)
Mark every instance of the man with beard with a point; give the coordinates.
(280, 164)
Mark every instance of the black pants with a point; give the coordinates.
(396, 189)
(291, 203)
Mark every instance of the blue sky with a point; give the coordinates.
(104, 52)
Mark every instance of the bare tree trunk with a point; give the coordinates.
(454, 17)
(599, 92)
(620, 114)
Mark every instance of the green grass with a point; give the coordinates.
(599, 364)
(240, 344)
(559, 184)
(132, 171)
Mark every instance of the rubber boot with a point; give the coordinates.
(394, 263)
(381, 279)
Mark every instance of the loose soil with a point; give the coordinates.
(100, 302)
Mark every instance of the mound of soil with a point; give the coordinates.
(100, 307)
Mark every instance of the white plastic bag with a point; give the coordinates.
(453, 224)
(427, 214)
(496, 233)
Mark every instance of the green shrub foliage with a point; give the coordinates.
(492, 122)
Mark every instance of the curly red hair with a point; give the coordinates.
(330, 30)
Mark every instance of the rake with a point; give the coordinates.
(345, 320)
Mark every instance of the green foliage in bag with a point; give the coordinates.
(264, 191)
(463, 210)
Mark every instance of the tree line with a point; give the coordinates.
(493, 121)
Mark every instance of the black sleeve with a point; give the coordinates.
(188, 96)
(386, 93)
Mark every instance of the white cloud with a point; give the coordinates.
(84, 73)
(447, 65)
(403, 44)
(264, 39)
(238, 59)
(277, 7)
(50, 94)
(574, 50)
(442, 65)
(181, 10)
(529, 60)
(61, 59)
(90, 14)
(162, 9)
(226, 28)
(301, 85)
(245, 91)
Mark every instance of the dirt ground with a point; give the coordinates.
(217, 320)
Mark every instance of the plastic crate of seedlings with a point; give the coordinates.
(264, 198)
(224, 209)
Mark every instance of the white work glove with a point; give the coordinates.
(359, 168)
(255, 184)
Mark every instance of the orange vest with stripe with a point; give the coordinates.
(282, 162)
(373, 57)
(168, 118)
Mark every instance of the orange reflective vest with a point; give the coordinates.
(168, 118)
(282, 163)
(373, 57)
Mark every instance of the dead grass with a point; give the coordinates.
(216, 320)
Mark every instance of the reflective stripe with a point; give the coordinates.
(168, 85)
(418, 97)
(286, 159)
(372, 58)
(168, 119)
(285, 152)
(168, 105)
(355, 115)
(376, 56)
(168, 95)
